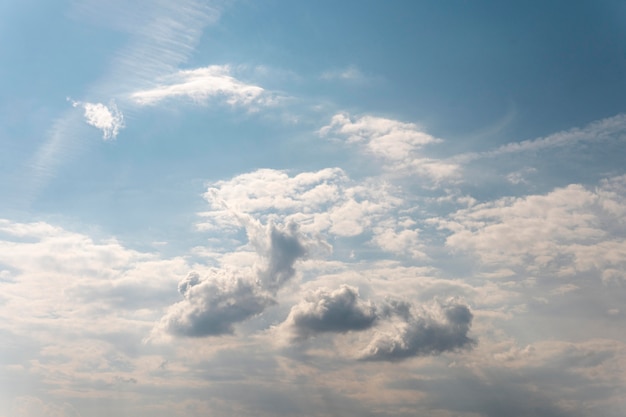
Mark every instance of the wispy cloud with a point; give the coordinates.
(200, 85)
(597, 131)
(106, 118)
(350, 73)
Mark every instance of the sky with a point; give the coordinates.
(330, 208)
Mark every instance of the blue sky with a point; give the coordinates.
(328, 208)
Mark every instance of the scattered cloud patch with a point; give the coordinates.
(201, 85)
(398, 144)
(109, 119)
(325, 201)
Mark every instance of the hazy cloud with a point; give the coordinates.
(567, 230)
(397, 143)
(214, 303)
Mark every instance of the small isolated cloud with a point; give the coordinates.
(326, 311)
(566, 231)
(109, 119)
(440, 327)
(202, 84)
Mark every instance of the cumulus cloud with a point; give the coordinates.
(417, 331)
(109, 119)
(201, 85)
(324, 201)
(397, 143)
(325, 311)
(568, 230)
(396, 329)
(214, 303)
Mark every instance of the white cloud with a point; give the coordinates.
(321, 201)
(325, 311)
(201, 85)
(568, 230)
(398, 144)
(601, 130)
(106, 118)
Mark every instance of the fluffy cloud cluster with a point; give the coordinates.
(396, 143)
(569, 230)
(215, 302)
(397, 329)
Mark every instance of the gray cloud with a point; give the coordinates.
(213, 304)
(286, 246)
(399, 329)
(336, 311)
(440, 328)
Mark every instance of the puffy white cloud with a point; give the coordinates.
(322, 201)
(398, 144)
(201, 85)
(109, 119)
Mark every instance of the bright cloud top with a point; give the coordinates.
(398, 144)
(200, 85)
(109, 119)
